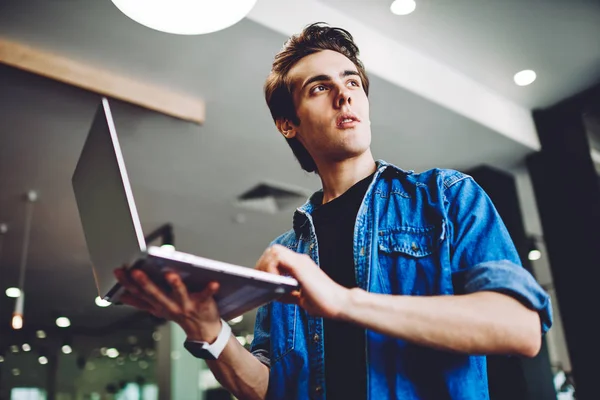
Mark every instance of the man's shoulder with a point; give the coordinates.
(287, 239)
(439, 177)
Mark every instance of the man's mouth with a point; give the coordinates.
(347, 120)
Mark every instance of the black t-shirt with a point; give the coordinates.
(345, 359)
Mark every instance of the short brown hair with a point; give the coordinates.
(278, 87)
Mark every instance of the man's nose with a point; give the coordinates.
(343, 98)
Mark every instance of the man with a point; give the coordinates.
(407, 279)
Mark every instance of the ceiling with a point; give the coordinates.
(190, 175)
(490, 41)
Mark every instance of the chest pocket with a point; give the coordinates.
(409, 262)
(283, 330)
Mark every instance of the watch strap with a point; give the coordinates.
(210, 350)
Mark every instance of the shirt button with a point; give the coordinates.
(362, 251)
(312, 246)
(414, 247)
(319, 389)
(316, 338)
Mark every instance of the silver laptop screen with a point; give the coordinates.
(105, 201)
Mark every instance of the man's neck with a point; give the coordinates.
(340, 176)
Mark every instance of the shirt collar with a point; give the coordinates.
(302, 214)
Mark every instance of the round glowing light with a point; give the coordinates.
(403, 7)
(168, 247)
(43, 360)
(236, 320)
(525, 77)
(63, 322)
(40, 334)
(26, 347)
(101, 302)
(17, 321)
(66, 349)
(112, 353)
(535, 255)
(186, 17)
(13, 292)
(1, 359)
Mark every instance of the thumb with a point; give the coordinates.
(289, 261)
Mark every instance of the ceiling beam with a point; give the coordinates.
(101, 81)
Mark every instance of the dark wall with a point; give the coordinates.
(514, 378)
(567, 191)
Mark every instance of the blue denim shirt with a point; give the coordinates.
(433, 233)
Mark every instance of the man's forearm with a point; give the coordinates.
(240, 372)
(478, 323)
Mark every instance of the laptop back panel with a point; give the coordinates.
(105, 202)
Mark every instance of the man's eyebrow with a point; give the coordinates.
(323, 77)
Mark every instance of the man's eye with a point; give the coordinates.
(318, 88)
(354, 83)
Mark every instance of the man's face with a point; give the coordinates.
(332, 107)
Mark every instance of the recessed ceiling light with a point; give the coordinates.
(43, 360)
(26, 347)
(236, 320)
(101, 302)
(403, 7)
(41, 334)
(63, 322)
(13, 292)
(66, 349)
(525, 77)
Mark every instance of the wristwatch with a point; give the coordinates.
(209, 351)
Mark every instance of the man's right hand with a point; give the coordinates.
(196, 313)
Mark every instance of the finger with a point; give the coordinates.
(271, 262)
(180, 292)
(155, 296)
(127, 298)
(270, 259)
(123, 278)
(126, 280)
(264, 256)
(286, 260)
(290, 298)
(209, 291)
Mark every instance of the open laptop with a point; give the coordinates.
(114, 235)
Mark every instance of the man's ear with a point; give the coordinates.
(286, 128)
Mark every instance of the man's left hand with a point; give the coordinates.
(318, 294)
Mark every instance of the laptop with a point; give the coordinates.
(114, 235)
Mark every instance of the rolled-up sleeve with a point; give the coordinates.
(483, 256)
(261, 344)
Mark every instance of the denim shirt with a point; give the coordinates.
(434, 233)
